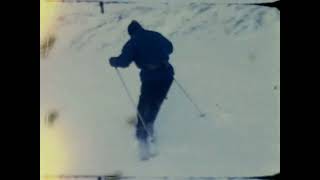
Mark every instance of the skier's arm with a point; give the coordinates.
(126, 56)
(167, 45)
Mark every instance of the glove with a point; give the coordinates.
(112, 61)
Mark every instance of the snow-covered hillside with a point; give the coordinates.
(226, 56)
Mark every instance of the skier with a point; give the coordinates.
(150, 52)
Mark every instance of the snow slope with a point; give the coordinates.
(226, 56)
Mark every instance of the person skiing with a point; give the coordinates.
(150, 51)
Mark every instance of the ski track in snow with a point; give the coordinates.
(226, 56)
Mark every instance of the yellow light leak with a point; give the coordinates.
(48, 12)
(53, 152)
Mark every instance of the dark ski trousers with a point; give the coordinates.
(152, 95)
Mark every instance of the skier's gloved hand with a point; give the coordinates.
(112, 61)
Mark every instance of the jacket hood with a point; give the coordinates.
(133, 27)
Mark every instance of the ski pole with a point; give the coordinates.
(201, 114)
(132, 101)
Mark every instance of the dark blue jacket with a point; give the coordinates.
(149, 50)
